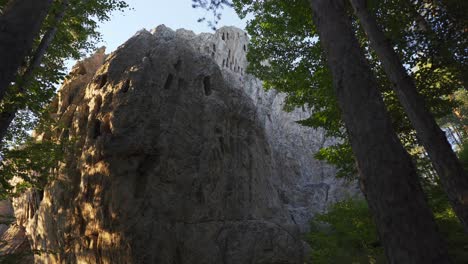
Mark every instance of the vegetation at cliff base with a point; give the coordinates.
(346, 233)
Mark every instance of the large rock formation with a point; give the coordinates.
(180, 157)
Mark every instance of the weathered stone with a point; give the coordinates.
(180, 157)
(14, 244)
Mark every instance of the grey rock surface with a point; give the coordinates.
(180, 157)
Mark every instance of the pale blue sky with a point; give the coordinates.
(151, 13)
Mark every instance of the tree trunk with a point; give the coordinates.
(404, 221)
(7, 116)
(19, 25)
(453, 177)
(44, 45)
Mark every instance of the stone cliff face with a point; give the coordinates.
(179, 157)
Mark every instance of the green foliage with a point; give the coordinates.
(347, 233)
(33, 163)
(463, 155)
(285, 53)
(449, 225)
(341, 156)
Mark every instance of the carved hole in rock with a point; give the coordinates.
(70, 99)
(227, 36)
(125, 86)
(207, 85)
(214, 47)
(97, 104)
(224, 62)
(83, 121)
(221, 143)
(106, 127)
(168, 83)
(227, 62)
(147, 163)
(212, 54)
(223, 38)
(245, 48)
(199, 194)
(40, 194)
(96, 129)
(102, 80)
(178, 65)
(229, 53)
(181, 84)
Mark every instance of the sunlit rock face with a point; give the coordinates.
(180, 157)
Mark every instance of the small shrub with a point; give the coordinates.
(345, 234)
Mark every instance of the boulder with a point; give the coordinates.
(179, 156)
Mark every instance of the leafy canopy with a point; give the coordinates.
(285, 53)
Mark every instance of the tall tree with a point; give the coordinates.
(69, 30)
(453, 177)
(388, 176)
(19, 26)
(9, 112)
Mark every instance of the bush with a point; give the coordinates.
(347, 233)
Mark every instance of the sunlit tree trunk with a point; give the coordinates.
(404, 221)
(19, 25)
(453, 177)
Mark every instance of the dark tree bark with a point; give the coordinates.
(404, 221)
(8, 115)
(451, 173)
(19, 25)
(45, 43)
